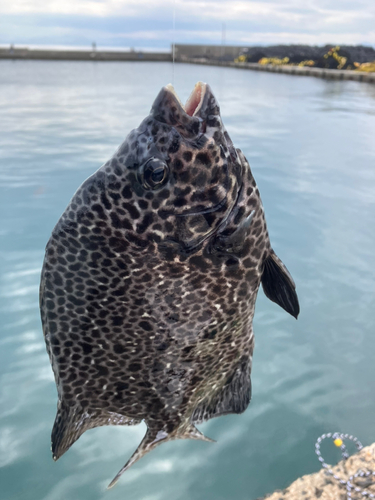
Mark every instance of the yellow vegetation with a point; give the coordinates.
(308, 62)
(240, 59)
(274, 60)
(367, 66)
(334, 53)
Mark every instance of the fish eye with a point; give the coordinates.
(154, 173)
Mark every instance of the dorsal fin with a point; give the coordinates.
(278, 285)
(72, 422)
(234, 396)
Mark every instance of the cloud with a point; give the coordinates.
(84, 7)
(114, 22)
(244, 37)
(308, 38)
(291, 11)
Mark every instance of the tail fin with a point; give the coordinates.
(148, 443)
(152, 439)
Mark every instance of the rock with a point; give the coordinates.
(323, 486)
(298, 53)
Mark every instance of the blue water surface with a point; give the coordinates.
(311, 146)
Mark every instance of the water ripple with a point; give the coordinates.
(311, 148)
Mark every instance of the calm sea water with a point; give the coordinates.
(311, 146)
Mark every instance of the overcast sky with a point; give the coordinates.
(149, 23)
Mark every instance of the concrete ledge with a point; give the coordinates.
(333, 74)
(322, 486)
(82, 55)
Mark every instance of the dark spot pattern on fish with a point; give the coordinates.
(150, 278)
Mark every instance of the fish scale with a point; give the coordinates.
(150, 279)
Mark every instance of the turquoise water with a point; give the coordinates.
(311, 146)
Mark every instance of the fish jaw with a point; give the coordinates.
(168, 108)
(195, 100)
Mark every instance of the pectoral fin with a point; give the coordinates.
(278, 285)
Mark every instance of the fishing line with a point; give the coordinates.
(173, 39)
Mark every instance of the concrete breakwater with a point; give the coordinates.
(97, 55)
(333, 74)
(82, 55)
(295, 53)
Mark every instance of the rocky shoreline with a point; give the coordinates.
(297, 53)
(322, 486)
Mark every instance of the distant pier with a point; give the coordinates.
(81, 55)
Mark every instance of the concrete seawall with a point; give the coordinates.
(332, 74)
(82, 55)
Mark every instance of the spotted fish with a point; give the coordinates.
(150, 278)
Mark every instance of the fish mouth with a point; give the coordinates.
(195, 100)
(193, 109)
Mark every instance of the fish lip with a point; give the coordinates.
(195, 100)
(194, 103)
